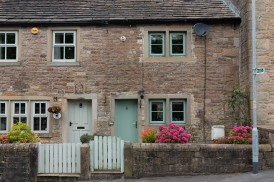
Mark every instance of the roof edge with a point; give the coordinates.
(232, 7)
(124, 22)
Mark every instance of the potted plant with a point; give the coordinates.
(55, 110)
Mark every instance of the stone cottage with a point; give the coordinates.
(265, 55)
(116, 67)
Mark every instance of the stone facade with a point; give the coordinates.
(264, 48)
(108, 68)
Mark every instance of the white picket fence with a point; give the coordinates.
(107, 153)
(59, 158)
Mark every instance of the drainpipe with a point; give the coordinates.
(255, 143)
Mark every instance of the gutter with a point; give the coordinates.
(230, 20)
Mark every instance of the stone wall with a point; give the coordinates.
(18, 162)
(147, 160)
(108, 67)
(264, 48)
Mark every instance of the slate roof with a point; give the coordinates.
(96, 11)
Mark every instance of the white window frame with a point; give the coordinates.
(10, 45)
(20, 115)
(5, 115)
(171, 111)
(39, 115)
(150, 111)
(64, 45)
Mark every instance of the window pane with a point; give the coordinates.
(3, 123)
(69, 38)
(16, 108)
(69, 52)
(177, 38)
(2, 38)
(177, 116)
(23, 119)
(2, 108)
(177, 49)
(23, 108)
(156, 49)
(157, 106)
(43, 123)
(36, 123)
(156, 39)
(37, 108)
(15, 120)
(59, 38)
(11, 52)
(10, 38)
(157, 116)
(43, 108)
(177, 106)
(58, 52)
(2, 53)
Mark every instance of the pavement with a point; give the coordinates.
(262, 176)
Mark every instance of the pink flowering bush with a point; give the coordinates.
(172, 134)
(240, 135)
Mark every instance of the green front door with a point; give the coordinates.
(126, 117)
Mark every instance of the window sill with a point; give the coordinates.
(168, 59)
(44, 135)
(63, 64)
(10, 63)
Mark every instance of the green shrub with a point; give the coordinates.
(21, 133)
(85, 138)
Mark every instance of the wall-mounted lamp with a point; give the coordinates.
(55, 99)
(142, 95)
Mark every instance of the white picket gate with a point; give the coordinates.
(107, 153)
(59, 158)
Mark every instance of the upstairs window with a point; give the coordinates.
(156, 44)
(3, 117)
(167, 44)
(177, 44)
(64, 46)
(8, 46)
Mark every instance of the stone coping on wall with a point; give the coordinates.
(196, 147)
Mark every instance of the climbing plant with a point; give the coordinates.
(239, 104)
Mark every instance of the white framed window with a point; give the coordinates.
(3, 117)
(8, 46)
(40, 120)
(64, 46)
(177, 43)
(19, 112)
(157, 111)
(178, 111)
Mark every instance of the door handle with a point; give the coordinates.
(70, 123)
(135, 123)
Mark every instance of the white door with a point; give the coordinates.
(79, 119)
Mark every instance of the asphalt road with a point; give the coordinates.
(262, 176)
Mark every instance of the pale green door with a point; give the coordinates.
(126, 117)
